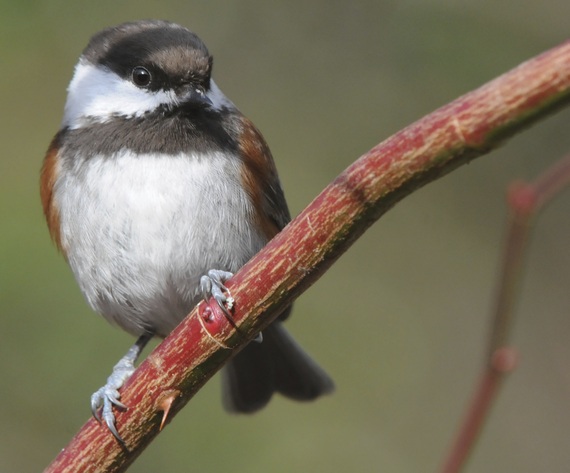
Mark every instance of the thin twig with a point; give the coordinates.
(525, 201)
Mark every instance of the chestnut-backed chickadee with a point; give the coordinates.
(156, 189)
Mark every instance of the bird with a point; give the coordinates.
(156, 189)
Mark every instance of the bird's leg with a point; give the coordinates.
(109, 396)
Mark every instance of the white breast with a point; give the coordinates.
(139, 231)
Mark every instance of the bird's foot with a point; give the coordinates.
(212, 285)
(108, 396)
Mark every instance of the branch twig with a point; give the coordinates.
(525, 201)
(453, 135)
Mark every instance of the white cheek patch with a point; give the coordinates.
(98, 94)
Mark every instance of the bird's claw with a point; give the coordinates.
(108, 397)
(212, 285)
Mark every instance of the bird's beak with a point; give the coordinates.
(195, 96)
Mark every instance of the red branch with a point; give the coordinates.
(464, 129)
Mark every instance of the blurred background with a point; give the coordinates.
(400, 321)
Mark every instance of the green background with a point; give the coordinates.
(400, 321)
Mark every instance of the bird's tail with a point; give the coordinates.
(277, 364)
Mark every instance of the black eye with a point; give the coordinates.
(141, 76)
